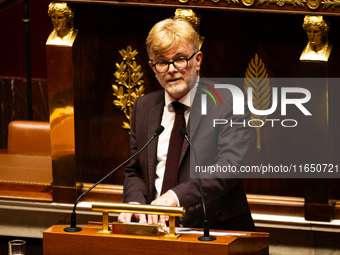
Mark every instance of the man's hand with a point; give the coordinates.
(126, 217)
(168, 199)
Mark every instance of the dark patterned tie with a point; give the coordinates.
(174, 150)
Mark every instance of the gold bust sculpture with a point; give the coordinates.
(62, 19)
(318, 48)
(190, 16)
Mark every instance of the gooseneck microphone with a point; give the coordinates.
(73, 227)
(206, 236)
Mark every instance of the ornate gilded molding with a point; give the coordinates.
(257, 78)
(313, 7)
(129, 79)
(283, 2)
(215, 1)
(328, 3)
(248, 3)
(313, 4)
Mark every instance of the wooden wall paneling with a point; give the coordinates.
(231, 40)
(105, 144)
(334, 124)
(63, 81)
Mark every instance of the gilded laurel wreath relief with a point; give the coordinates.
(129, 84)
(256, 77)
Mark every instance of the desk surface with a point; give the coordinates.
(56, 241)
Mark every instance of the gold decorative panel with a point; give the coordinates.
(130, 84)
(257, 79)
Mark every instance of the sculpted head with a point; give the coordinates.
(62, 18)
(317, 31)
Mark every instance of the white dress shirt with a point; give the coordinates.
(168, 119)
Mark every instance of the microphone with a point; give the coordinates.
(206, 236)
(73, 227)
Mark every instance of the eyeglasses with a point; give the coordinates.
(179, 64)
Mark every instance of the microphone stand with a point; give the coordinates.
(206, 236)
(73, 227)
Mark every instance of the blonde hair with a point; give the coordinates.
(169, 33)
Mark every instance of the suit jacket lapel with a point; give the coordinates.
(195, 114)
(194, 121)
(155, 118)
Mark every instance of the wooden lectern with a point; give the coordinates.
(88, 241)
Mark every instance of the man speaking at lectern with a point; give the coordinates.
(160, 174)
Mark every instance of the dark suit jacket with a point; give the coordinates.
(226, 203)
